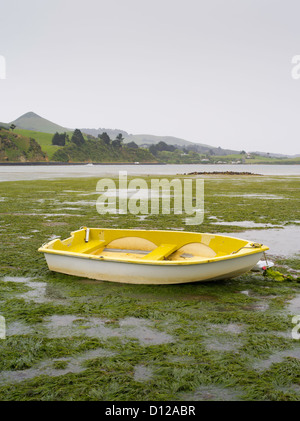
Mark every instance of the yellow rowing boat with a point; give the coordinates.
(151, 257)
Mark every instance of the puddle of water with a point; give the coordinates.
(223, 344)
(212, 393)
(17, 279)
(69, 325)
(216, 338)
(229, 328)
(73, 365)
(277, 357)
(139, 328)
(258, 306)
(18, 328)
(294, 305)
(143, 194)
(55, 224)
(47, 215)
(142, 373)
(294, 388)
(80, 203)
(254, 196)
(281, 242)
(246, 224)
(73, 191)
(38, 290)
(89, 193)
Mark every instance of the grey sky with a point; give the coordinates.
(214, 71)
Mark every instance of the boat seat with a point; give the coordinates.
(89, 247)
(160, 252)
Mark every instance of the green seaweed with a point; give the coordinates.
(191, 337)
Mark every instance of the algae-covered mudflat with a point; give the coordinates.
(69, 338)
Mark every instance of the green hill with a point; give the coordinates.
(43, 139)
(17, 148)
(93, 150)
(34, 126)
(149, 139)
(32, 121)
(97, 151)
(141, 139)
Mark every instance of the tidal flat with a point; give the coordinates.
(70, 338)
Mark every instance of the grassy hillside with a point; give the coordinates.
(97, 151)
(148, 139)
(43, 139)
(17, 148)
(93, 150)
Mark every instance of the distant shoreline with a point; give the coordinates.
(53, 163)
(78, 163)
(24, 164)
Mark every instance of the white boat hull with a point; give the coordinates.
(138, 273)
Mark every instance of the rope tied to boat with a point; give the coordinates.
(252, 245)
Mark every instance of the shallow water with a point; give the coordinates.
(212, 393)
(254, 196)
(42, 172)
(281, 242)
(142, 373)
(277, 357)
(246, 224)
(140, 329)
(37, 292)
(294, 305)
(73, 365)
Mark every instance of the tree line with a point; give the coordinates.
(61, 139)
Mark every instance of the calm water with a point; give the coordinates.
(42, 172)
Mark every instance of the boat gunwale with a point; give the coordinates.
(240, 253)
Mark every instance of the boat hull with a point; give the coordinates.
(139, 273)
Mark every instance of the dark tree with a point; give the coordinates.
(161, 146)
(120, 137)
(59, 139)
(132, 145)
(153, 149)
(77, 138)
(104, 136)
(117, 143)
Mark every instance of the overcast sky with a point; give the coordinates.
(214, 71)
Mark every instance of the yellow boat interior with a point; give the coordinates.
(150, 246)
